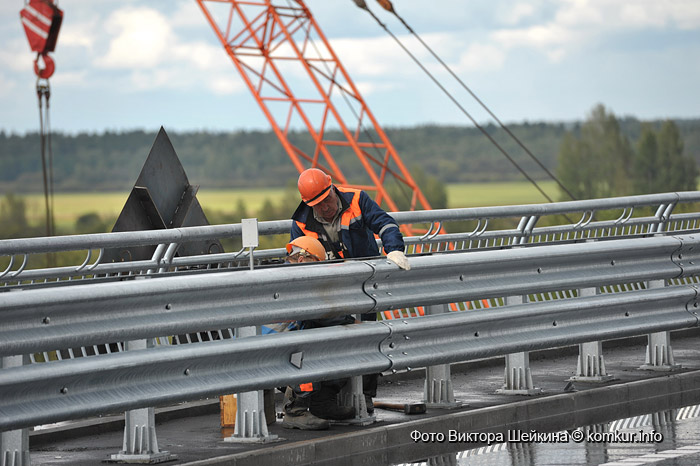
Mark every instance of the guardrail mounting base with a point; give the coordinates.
(153, 458)
(592, 379)
(527, 391)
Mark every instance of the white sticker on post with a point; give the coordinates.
(249, 233)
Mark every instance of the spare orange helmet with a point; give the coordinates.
(311, 245)
(314, 186)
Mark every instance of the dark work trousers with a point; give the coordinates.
(369, 381)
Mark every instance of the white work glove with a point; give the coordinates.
(400, 259)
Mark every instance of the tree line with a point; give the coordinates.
(112, 160)
(600, 160)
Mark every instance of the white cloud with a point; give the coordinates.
(147, 46)
(70, 78)
(16, 55)
(202, 55)
(142, 39)
(514, 14)
(375, 56)
(80, 34)
(188, 14)
(681, 13)
(482, 57)
(576, 13)
(366, 87)
(634, 14)
(552, 39)
(575, 23)
(225, 85)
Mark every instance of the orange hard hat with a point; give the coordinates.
(314, 186)
(311, 245)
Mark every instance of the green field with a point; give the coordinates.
(69, 206)
(493, 194)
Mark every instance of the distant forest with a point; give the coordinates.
(238, 159)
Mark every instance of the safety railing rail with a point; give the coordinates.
(17, 251)
(44, 319)
(85, 314)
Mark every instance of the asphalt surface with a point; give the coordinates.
(192, 431)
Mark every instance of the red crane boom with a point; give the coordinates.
(267, 42)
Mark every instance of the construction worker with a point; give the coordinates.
(345, 221)
(309, 406)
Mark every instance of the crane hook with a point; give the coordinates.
(49, 66)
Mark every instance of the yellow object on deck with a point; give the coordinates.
(229, 405)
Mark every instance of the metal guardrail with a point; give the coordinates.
(527, 217)
(82, 315)
(41, 319)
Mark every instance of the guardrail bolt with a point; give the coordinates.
(276, 296)
(406, 337)
(187, 372)
(64, 390)
(392, 345)
(627, 314)
(47, 320)
(554, 324)
(612, 262)
(375, 285)
(680, 256)
(461, 278)
(476, 334)
(408, 369)
(539, 269)
(168, 306)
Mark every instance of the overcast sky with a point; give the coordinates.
(125, 64)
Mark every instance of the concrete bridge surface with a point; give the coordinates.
(192, 431)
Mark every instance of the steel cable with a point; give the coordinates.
(362, 5)
(485, 107)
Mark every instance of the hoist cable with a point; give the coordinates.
(50, 147)
(43, 94)
(483, 105)
(451, 97)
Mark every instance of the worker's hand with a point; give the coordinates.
(400, 259)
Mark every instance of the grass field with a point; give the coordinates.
(69, 206)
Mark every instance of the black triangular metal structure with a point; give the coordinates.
(161, 198)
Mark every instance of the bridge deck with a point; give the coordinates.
(192, 431)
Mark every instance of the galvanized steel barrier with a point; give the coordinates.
(42, 319)
(591, 225)
(181, 297)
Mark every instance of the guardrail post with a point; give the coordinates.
(352, 394)
(14, 445)
(659, 354)
(251, 424)
(438, 380)
(518, 378)
(140, 443)
(591, 363)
